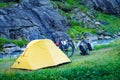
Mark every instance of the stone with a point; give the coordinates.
(2, 53)
(107, 34)
(100, 37)
(98, 23)
(107, 37)
(10, 48)
(107, 6)
(100, 32)
(9, 45)
(91, 37)
(3, 12)
(85, 19)
(115, 36)
(119, 34)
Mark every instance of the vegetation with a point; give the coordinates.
(6, 4)
(112, 44)
(78, 30)
(111, 23)
(66, 8)
(2, 42)
(20, 43)
(102, 64)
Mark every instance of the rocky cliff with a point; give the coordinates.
(31, 19)
(107, 6)
(35, 19)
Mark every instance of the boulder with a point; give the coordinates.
(119, 34)
(91, 37)
(107, 37)
(84, 18)
(107, 34)
(9, 45)
(107, 6)
(100, 37)
(2, 53)
(100, 32)
(10, 48)
(115, 36)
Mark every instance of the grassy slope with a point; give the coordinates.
(114, 23)
(101, 64)
(66, 9)
(112, 44)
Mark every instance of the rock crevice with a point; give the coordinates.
(30, 19)
(107, 6)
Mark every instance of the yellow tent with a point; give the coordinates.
(40, 54)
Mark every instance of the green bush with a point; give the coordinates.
(20, 43)
(114, 22)
(17, 42)
(64, 7)
(6, 4)
(2, 42)
(78, 30)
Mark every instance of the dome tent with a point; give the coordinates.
(40, 54)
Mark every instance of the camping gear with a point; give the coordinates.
(84, 44)
(40, 54)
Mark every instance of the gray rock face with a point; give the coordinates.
(85, 19)
(108, 6)
(9, 48)
(91, 37)
(31, 19)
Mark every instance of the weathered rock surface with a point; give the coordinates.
(107, 6)
(9, 0)
(31, 19)
(9, 48)
(91, 37)
(84, 18)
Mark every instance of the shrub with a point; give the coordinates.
(113, 26)
(20, 43)
(64, 7)
(4, 4)
(2, 42)
(78, 30)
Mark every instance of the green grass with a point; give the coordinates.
(2, 42)
(4, 4)
(102, 64)
(20, 43)
(78, 30)
(114, 22)
(112, 44)
(77, 3)
(66, 8)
